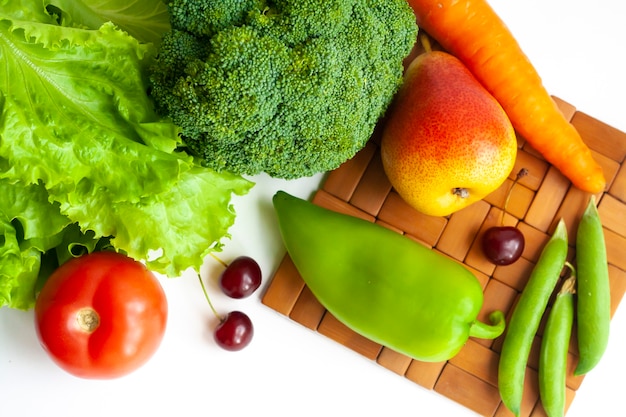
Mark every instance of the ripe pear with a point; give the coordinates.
(447, 142)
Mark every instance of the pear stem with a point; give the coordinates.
(522, 173)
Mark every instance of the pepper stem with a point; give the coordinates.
(489, 331)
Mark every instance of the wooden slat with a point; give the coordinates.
(285, 289)
(343, 181)
(479, 361)
(394, 361)
(618, 188)
(519, 201)
(461, 230)
(360, 188)
(334, 329)
(373, 188)
(547, 200)
(398, 214)
(613, 214)
(424, 374)
(307, 310)
(467, 389)
(601, 137)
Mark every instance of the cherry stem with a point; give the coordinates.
(206, 295)
(522, 173)
(214, 256)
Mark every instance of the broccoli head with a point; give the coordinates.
(286, 87)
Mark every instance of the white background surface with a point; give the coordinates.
(577, 47)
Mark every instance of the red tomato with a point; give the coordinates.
(101, 315)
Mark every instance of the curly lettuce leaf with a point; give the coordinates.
(76, 123)
(25, 10)
(34, 239)
(83, 92)
(19, 271)
(29, 226)
(194, 208)
(145, 20)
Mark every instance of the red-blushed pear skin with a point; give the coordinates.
(447, 142)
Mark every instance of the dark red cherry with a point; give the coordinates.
(234, 332)
(241, 277)
(503, 245)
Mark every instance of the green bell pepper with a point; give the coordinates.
(383, 285)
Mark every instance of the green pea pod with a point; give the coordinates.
(383, 285)
(526, 317)
(593, 295)
(554, 349)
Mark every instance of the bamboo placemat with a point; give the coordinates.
(360, 188)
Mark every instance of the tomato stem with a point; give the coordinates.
(206, 295)
(87, 319)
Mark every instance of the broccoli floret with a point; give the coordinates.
(286, 87)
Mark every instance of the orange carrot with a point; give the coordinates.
(474, 33)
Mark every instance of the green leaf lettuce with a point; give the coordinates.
(81, 148)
